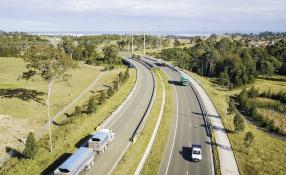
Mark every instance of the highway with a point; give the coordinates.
(187, 129)
(125, 122)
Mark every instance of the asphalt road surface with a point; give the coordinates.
(187, 129)
(125, 123)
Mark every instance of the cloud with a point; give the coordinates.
(100, 14)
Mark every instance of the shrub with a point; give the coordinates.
(110, 92)
(238, 123)
(102, 97)
(91, 107)
(77, 111)
(248, 139)
(30, 146)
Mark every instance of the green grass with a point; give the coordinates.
(152, 164)
(129, 162)
(267, 153)
(30, 115)
(65, 137)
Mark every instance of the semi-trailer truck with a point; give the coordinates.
(100, 140)
(82, 159)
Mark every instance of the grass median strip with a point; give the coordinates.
(129, 162)
(67, 137)
(152, 164)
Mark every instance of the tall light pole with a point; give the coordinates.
(144, 45)
(132, 41)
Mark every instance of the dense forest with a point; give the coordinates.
(230, 59)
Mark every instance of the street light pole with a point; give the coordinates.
(132, 42)
(144, 45)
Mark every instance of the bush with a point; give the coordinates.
(77, 111)
(238, 123)
(30, 146)
(248, 139)
(91, 107)
(110, 92)
(102, 98)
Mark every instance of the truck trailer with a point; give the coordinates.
(100, 140)
(82, 159)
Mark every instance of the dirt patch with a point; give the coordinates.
(13, 132)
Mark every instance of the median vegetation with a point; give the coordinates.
(152, 164)
(68, 134)
(129, 162)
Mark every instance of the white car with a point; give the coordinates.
(196, 152)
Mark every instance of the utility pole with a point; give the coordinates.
(132, 41)
(144, 45)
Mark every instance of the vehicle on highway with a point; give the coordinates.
(83, 159)
(184, 80)
(196, 152)
(100, 140)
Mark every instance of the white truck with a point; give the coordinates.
(82, 159)
(100, 140)
(196, 152)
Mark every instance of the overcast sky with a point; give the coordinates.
(143, 15)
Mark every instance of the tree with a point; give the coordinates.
(177, 43)
(265, 68)
(91, 107)
(30, 146)
(238, 123)
(111, 54)
(110, 92)
(248, 139)
(102, 98)
(51, 64)
(115, 85)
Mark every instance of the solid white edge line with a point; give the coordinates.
(152, 139)
(174, 137)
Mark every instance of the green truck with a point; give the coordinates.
(184, 80)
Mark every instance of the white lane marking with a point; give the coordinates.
(115, 164)
(176, 125)
(187, 172)
(190, 143)
(190, 124)
(126, 107)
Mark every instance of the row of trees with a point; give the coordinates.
(228, 59)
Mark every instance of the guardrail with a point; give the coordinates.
(141, 124)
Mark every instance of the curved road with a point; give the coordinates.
(125, 122)
(187, 129)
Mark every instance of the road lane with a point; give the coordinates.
(188, 128)
(125, 122)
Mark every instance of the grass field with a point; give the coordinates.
(267, 153)
(67, 137)
(22, 103)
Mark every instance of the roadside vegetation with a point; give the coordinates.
(257, 151)
(234, 62)
(67, 136)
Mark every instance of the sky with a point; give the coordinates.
(143, 15)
